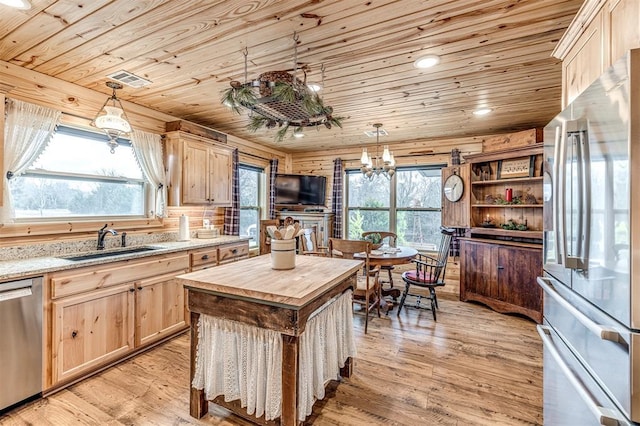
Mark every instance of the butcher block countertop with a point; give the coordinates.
(253, 279)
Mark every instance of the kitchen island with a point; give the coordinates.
(248, 298)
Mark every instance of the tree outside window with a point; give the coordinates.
(76, 176)
(251, 183)
(408, 204)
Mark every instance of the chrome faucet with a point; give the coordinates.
(102, 232)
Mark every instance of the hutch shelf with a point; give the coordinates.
(502, 256)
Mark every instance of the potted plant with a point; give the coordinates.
(375, 239)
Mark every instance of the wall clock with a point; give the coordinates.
(453, 188)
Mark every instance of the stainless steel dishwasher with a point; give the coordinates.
(20, 341)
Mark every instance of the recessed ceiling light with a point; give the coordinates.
(482, 111)
(18, 4)
(316, 87)
(427, 61)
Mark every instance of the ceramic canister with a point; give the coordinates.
(283, 254)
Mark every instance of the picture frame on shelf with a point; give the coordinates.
(516, 167)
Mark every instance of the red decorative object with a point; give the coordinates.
(508, 195)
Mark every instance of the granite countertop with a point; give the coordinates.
(20, 268)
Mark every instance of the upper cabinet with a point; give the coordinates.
(199, 170)
(602, 31)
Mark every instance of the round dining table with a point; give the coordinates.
(389, 256)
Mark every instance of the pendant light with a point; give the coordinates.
(112, 119)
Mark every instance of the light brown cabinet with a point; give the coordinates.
(199, 170)
(90, 330)
(599, 35)
(214, 256)
(160, 308)
(99, 314)
(502, 276)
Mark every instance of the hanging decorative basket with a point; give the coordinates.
(279, 98)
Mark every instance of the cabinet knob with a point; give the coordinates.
(500, 267)
(132, 289)
(234, 251)
(139, 287)
(205, 257)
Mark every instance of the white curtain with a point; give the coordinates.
(27, 131)
(244, 362)
(148, 150)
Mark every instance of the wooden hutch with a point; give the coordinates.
(501, 256)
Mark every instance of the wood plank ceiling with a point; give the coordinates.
(494, 53)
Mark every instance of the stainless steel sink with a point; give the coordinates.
(101, 254)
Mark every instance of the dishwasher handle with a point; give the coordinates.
(16, 289)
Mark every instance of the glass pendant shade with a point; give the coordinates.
(112, 119)
(112, 122)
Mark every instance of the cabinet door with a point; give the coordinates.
(585, 61)
(623, 29)
(518, 269)
(478, 269)
(160, 308)
(91, 330)
(220, 177)
(195, 167)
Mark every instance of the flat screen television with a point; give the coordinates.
(303, 190)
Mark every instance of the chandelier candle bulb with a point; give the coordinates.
(364, 159)
(386, 157)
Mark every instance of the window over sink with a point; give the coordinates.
(77, 177)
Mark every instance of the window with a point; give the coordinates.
(76, 176)
(251, 200)
(409, 204)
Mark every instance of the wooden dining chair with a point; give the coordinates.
(367, 293)
(265, 240)
(390, 238)
(309, 243)
(428, 274)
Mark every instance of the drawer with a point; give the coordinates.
(109, 274)
(231, 252)
(204, 257)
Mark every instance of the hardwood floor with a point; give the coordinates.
(472, 367)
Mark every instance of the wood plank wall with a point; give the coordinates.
(79, 104)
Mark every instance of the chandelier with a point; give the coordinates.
(374, 166)
(110, 118)
(280, 99)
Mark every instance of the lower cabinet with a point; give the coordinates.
(90, 330)
(502, 276)
(103, 313)
(160, 308)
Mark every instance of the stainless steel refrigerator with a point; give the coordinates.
(591, 258)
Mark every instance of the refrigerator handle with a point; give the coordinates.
(604, 415)
(603, 332)
(561, 178)
(556, 194)
(585, 197)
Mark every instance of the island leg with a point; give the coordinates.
(347, 369)
(198, 404)
(290, 347)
